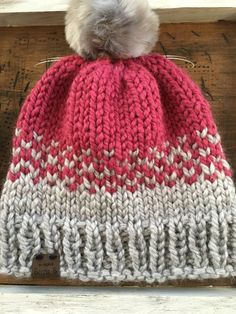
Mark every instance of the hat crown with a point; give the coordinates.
(116, 107)
(102, 106)
(121, 106)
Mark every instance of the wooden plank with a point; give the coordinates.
(210, 46)
(11, 6)
(138, 301)
(9, 280)
(74, 304)
(196, 15)
(193, 15)
(44, 12)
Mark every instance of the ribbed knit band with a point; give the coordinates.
(119, 167)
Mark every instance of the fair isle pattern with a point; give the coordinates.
(186, 161)
(118, 166)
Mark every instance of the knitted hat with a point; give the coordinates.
(118, 166)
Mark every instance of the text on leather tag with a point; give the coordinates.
(46, 266)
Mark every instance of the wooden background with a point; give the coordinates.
(212, 47)
(45, 12)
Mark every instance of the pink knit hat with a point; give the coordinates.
(118, 166)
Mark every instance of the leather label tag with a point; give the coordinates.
(46, 266)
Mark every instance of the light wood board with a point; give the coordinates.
(23, 300)
(45, 12)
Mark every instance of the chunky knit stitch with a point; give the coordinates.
(118, 166)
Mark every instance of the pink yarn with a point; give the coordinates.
(121, 107)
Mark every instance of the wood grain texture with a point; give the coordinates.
(44, 12)
(167, 15)
(54, 300)
(211, 47)
(61, 5)
(121, 303)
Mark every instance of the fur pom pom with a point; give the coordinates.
(115, 28)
